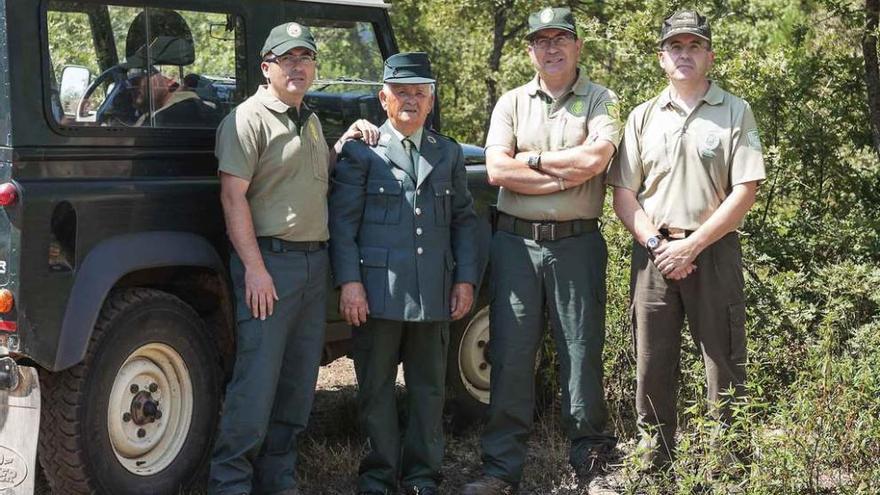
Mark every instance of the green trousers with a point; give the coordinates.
(270, 395)
(564, 281)
(712, 300)
(415, 456)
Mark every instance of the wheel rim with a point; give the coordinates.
(150, 409)
(473, 357)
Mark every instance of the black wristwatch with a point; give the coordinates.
(535, 162)
(652, 243)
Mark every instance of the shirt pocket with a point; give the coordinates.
(443, 195)
(384, 201)
(318, 151)
(574, 131)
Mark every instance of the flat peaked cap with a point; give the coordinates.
(551, 18)
(287, 36)
(408, 68)
(685, 22)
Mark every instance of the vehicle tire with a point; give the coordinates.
(468, 368)
(138, 414)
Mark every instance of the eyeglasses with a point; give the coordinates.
(676, 50)
(556, 41)
(288, 61)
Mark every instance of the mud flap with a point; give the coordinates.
(19, 428)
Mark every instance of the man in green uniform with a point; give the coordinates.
(688, 168)
(404, 253)
(274, 173)
(549, 144)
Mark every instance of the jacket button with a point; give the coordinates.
(362, 261)
(418, 231)
(381, 189)
(420, 250)
(447, 191)
(418, 211)
(418, 192)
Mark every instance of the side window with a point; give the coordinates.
(117, 66)
(349, 74)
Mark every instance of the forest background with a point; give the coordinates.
(811, 422)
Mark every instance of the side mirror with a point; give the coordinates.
(74, 81)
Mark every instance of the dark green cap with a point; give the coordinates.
(685, 22)
(408, 68)
(287, 36)
(551, 17)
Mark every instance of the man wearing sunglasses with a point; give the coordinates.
(274, 171)
(688, 168)
(549, 144)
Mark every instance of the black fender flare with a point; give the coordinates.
(107, 263)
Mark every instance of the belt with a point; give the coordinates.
(277, 245)
(545, 231)
(673, 233)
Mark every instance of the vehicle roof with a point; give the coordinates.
(364, 3)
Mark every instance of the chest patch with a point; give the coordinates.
(577, 107)
(708, 145)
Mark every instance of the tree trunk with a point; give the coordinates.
(498, 41)
(872, 71)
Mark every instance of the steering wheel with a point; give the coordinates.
(118, 103)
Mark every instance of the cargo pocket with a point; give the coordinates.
(443, 193)
(737, 318)
(374, 275)
(383, 202)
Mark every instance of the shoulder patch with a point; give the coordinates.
(613, 110)
(754, 139)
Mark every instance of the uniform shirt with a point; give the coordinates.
(528, 119)
(682, 166)
(285, 159)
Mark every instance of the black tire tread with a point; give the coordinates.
(61, 455)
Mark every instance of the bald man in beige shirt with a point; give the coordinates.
(686, 174)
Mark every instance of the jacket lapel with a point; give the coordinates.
(429, 155)
(394, 150)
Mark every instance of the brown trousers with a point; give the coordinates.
(712, 300)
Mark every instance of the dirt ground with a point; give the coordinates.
(333, 446)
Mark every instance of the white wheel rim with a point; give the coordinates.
(156, 373)
(473, 367)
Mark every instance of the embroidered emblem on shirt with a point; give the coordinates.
(710, 142)
(613, 110)
(754, 139)
(294, 30)
(577, 107)
(313, 128)
(547, 15)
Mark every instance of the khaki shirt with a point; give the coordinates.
(287, 168)
(682, 166)
(528, 119)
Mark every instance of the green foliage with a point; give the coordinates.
(811, 242)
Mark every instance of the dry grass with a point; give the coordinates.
(332, 447)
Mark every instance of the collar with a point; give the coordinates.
(714, 95)
(580, 87)
(274, 104)
(415, 137)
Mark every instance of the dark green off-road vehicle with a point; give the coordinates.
(116, 318)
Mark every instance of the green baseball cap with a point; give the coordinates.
(685, 22)
(552, 18)
(288, 36)
(408, 68)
